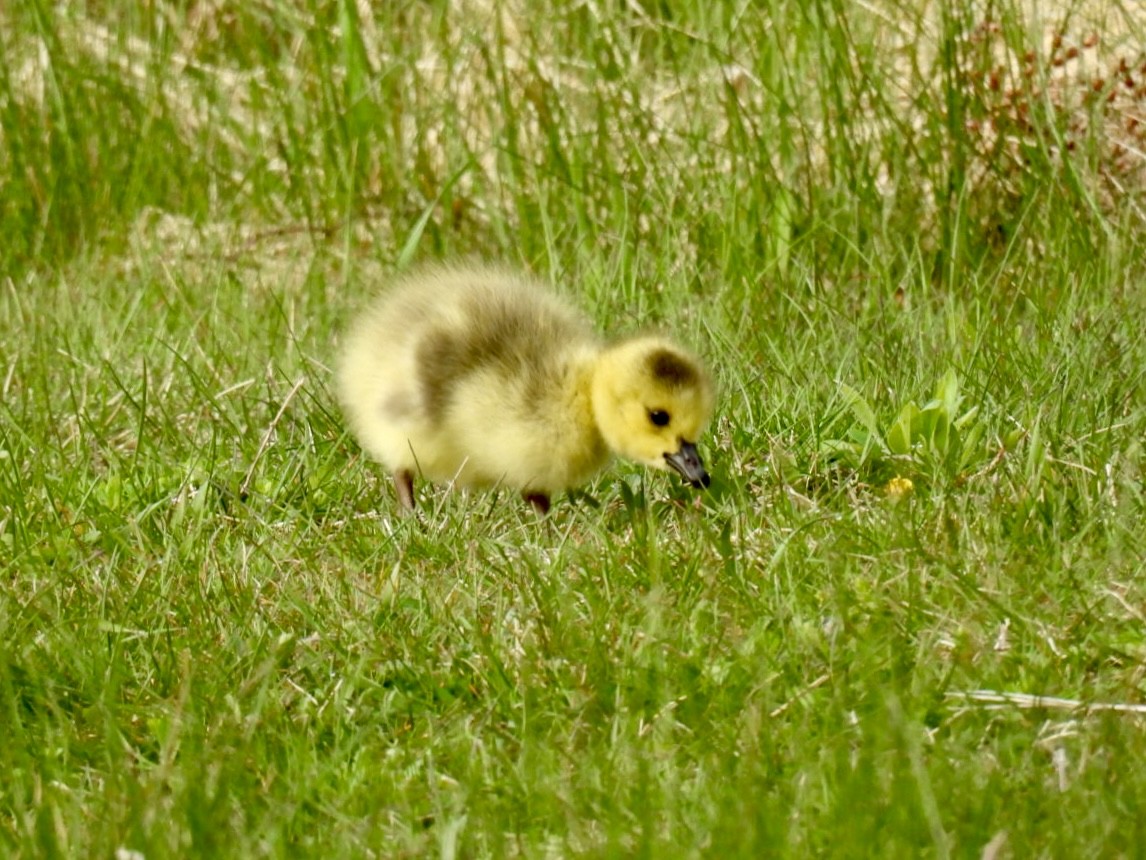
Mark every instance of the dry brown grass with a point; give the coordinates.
(1070, 82)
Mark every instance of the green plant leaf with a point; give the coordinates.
(861, 409)
(967, 417)
(947, 393)
(900, 435)
(940, 439)
(841, 451)
(972, 447)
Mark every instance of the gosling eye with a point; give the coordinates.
(659, 417)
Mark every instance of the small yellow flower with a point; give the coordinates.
(899, 487)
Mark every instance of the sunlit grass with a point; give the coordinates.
(218, 639)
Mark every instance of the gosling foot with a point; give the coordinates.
(539, 501)
(404, 485)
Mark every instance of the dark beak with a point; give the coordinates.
(687, 462)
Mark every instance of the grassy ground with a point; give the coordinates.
(218, 639)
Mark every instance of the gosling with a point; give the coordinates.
(486, 378)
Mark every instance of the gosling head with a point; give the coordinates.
(652, 400)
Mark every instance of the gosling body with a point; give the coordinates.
(483, 377)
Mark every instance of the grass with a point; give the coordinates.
(216, 636)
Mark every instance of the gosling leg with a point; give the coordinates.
(404, 484)
(539, 501)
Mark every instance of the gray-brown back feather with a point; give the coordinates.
(508, 336)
